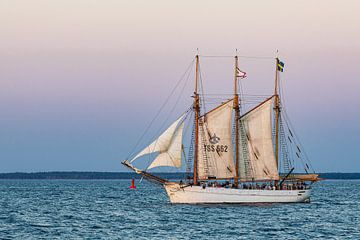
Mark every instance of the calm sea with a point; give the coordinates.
(96, 209)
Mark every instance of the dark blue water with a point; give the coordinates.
(68, 209)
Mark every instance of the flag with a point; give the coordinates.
(280, 65)
(240, 73)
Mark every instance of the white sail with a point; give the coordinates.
(168, 145)
(172, 156)
(257, 124)
(216, 154)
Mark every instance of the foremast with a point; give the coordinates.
(197, 114)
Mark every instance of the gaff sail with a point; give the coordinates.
(216, 152)
(258, 140)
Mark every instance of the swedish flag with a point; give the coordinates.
(280, 65)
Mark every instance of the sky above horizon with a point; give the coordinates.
(80, 80)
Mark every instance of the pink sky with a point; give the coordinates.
(67, 61)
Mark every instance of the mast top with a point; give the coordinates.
(197, 74)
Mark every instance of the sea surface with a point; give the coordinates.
(109, 209)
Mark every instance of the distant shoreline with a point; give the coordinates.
(128, 175)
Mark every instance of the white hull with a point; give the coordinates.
(198, 195)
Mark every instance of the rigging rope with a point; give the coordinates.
(176, 102)
(240, 56)
(202, 90)
(296, 139)
(161, 108)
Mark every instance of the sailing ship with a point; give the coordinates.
(234, 157)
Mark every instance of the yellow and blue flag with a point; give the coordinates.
(280, 65)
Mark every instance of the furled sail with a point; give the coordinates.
(304, 177)
(168, 145)
(216, 155)
(258, 139)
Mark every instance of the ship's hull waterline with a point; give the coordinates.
(212, 195)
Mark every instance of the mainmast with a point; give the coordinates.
(197, 114)
(277, 113)
(237, 116)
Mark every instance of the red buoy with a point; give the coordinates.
(133, 184)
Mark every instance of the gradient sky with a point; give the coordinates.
(81, 79)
